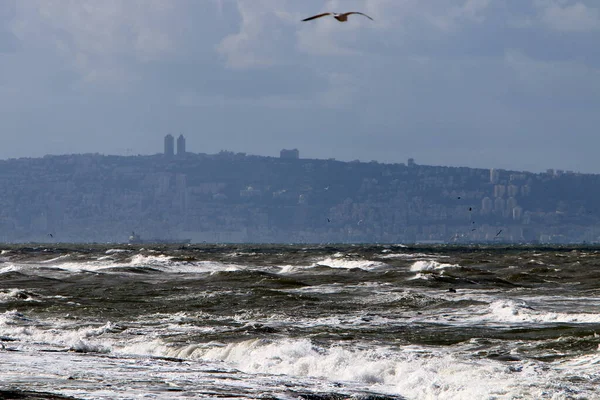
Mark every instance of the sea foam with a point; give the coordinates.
(420, 374)
(430, 265)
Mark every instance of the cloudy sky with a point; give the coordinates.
(480, 83)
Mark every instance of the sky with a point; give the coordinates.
(509, 84)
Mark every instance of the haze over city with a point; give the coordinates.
(472, 83)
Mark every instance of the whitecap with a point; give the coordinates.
(113, 251)
(430, 265)
(519, 311)
(349, 264)
(414, 371)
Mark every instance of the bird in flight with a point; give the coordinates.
(343, 17)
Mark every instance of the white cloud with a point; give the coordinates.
(263, 38)
(576, 17)
(474, 10)
(96, 39)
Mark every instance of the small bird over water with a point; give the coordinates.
(340, 17)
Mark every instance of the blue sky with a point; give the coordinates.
(507, 84)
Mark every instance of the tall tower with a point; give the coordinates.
(169, 145)
(181, 146)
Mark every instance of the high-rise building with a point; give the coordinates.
(511, 203)
(169, 145)
(289, 154)
(494, 175)
(180, 146)
(486, 205)
(499, 205)
(499, 190)
(517, 212)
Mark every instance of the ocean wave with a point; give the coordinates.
(344, 263)
(10, 268)
(410, 256)
(520, 311)
(414, 372)
(116, 251)
(430, 265)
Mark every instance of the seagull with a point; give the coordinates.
(340, 17)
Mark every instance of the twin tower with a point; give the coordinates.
(170, 145)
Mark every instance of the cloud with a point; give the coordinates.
(8, 41)
(96, 39)
(576, 17)
(105, 42)
(264, 36)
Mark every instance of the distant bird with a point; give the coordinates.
(340, 17)
(499, 232)
(51, 235)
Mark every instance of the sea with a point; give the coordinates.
(313, 322)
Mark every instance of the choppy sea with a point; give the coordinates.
(299, 322)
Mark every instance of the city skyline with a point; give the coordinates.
(177, 148)
(472, 83)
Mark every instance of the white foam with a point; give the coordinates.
(420, 276)
(583, 363)
(430, 265)
(291, 269)
(141, 260)
(10, 268)
(106, 263)
(417, 373)
(13, 295)
(519, 311)
(343, 263)
(166, 264)
(411, 255)
(55, 259)
(113, 251)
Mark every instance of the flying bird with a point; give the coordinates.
(340, 17)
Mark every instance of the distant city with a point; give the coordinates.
(180, 197)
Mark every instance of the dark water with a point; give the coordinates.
(320, 322)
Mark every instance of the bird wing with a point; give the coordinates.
(316, 16)
(356, 12)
